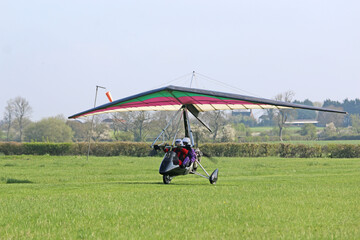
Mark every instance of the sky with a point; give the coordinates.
(54, 53)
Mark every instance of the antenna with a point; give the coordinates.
(92, 121)
(192, 77)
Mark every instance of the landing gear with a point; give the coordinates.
(214, 176)
(198, 157)
(167, 179)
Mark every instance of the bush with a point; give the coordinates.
(300, 150)
(213, 149)
(46, 148)
(343, 150)
(240, 149)
(11, 148)
(281, 150)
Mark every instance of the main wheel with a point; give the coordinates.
(166, 179)
(198, 157)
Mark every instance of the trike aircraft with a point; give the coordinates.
(184, 100)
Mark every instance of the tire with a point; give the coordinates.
(212, 182)
(198, 157)
(166, 179)
(195, 166)
(214, 176)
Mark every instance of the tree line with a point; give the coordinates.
(16, 124)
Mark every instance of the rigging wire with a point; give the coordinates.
(226, 85)
(176, 79)
(254, 111)
(177, 128)
(195, 80)
(192, 78)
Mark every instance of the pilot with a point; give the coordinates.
(191, 156)
(180, 151)
(186, 142)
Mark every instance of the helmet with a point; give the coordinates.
(178, 142)
(186, 141)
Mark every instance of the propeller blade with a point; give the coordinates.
(153, 153)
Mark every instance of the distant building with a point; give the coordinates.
(243, 114)
(245, 117)
(110, 121)
(300, 122)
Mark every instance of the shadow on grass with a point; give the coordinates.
(161, 183)
(139, 183)
(9, 165)
(12, 180)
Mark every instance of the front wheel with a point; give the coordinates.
(214, 176)
(166, 179)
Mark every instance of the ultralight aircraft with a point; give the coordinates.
(184, 100)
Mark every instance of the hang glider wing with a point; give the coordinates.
(172, 98)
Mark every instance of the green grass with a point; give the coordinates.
(124, 198)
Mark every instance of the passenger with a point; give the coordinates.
(180, 151)
(191, 156)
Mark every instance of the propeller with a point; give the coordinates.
(153, 152)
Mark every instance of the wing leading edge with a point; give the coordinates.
(172, 98)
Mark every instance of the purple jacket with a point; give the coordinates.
(191, 156)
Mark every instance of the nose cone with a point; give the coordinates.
(167, 165)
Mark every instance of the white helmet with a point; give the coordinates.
(186, 141)
(178, 142)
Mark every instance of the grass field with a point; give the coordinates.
(45, 197)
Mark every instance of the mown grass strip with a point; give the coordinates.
(124, 198)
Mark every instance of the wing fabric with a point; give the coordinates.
(172, 98)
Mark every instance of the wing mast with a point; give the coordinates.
(188, 131)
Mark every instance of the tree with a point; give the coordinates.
(303, 113)
(140, 125)
(8, 117)
(355, 123)
(159, 120)
(52, 129)
(228, 134)
(350, 106)
(325, 118)
(216, 121)
(120, 125)
(329, 131)
(268, 118)
(80, 130)
(1, 130)
(100, 130)
(22, 111)
(135, 122)
(308, 130)
(282, 115)
(245, 117)
(241, 130)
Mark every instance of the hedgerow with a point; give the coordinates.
(214, 149)
(281, 150)
(96, 149)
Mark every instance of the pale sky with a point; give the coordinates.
(54, 53)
